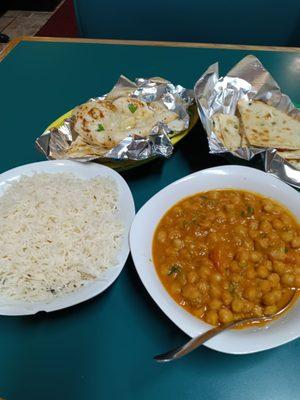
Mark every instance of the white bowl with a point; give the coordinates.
(126, 214)
(242, 341)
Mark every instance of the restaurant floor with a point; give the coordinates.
(16, 23)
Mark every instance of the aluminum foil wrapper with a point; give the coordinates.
(54, 143)
(247, 80)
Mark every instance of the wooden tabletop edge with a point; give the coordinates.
(14, 42)
(9, 47)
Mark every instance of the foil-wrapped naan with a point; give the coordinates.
(103, 124)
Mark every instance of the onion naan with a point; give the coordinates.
(265, 126)
(226, 128)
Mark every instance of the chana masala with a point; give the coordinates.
(224, 255)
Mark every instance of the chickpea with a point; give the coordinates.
(254, 234)
(178, 243)
(234, 266)
(287, 236)
(171, 251)
(247, 307)
(253, 225)
(269, 299)
(273, 238)
(225, 316)
(297, 281)
(255, 256)
(211, 317)
(237, 305)
(175, 288)
(251, 273)
(242, 256)
(250, 293)
(204, 272)
(177, 210)
(241, 230)
(274, 279)
(277, 254)
(286, 220)
(215, 304)
(277, 293)
(190, 291)
(277, 224)
(262, 271)
(215, 277)
(287, 279)
(268, 207)
(257, 311)
(296, 242)
(269, 310)
(203, 287)
(174, 233)
(236, 278)
(192, 277)
(248, 244)
(279, 267)
(215, 291)
(227, 298)
(265, 286)
(262, 243)
(162, 236)
(265, 226)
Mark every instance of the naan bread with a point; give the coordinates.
(265, 126)
(289, 154)
(79, 148)
(106, 123)
(226, 128)
(295, 163)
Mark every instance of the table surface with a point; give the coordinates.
(103, 349)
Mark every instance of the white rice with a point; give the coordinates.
(57, 233)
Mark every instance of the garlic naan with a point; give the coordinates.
(265, 126)
(106, 123)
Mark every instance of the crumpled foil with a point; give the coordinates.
(54, 142)
(247, 80)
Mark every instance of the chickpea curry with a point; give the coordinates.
(225, 255)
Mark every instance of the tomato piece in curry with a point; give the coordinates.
(225, 255)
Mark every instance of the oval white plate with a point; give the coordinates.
(243, 341)
(126, 213)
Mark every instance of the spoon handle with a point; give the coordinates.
(192, 344)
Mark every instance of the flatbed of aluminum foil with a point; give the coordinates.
(54, 142)
(247, 80)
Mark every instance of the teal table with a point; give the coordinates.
(103, 349)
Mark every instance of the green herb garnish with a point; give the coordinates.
(175, 269)
(132, 107)
(243, 213)
(100, 128)
(286, 250)
(250, 210)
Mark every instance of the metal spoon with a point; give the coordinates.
(193, 343)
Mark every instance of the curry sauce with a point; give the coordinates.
(225, 255)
